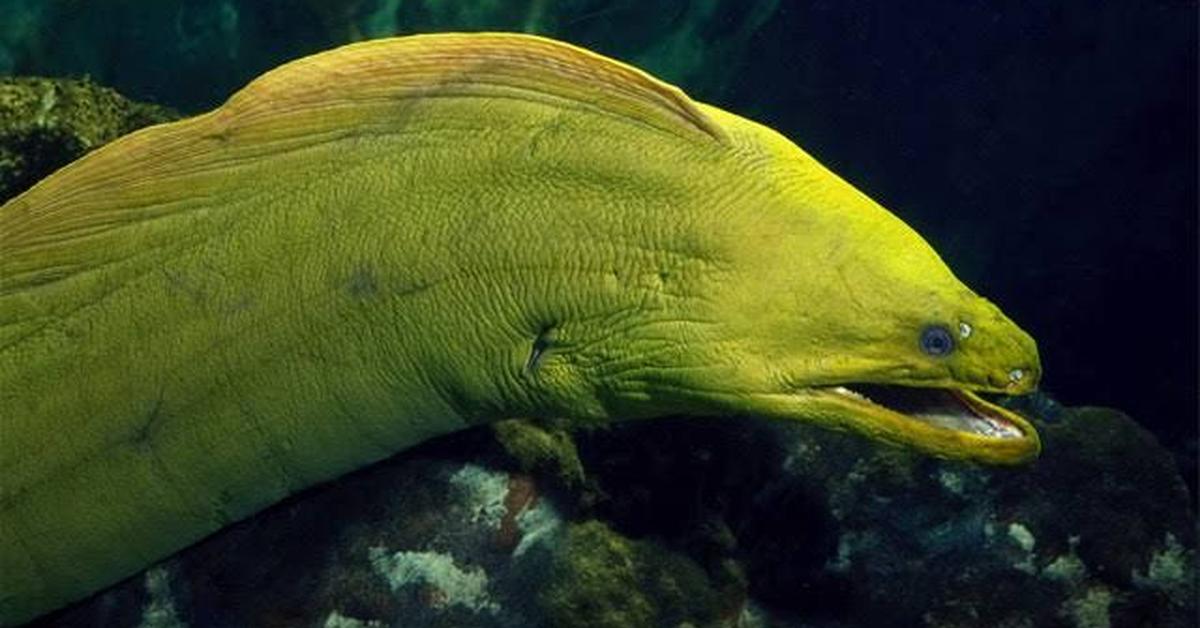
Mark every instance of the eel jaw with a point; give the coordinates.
(942, 407)
(945, 422)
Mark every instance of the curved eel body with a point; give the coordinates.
(369, 247)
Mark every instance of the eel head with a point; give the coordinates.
(837, 312)
(804, 300)
(897, 352)
(826, 308)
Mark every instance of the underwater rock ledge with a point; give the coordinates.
(47, 123)
(701, 523)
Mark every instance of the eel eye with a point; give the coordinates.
(936, 341)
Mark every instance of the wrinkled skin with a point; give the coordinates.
(400, 239)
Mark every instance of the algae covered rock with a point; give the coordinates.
(47, 123)
(602, 579)
(418, 541)
(1068, 541)
(701, 523)
(422, 540)
(546, 448)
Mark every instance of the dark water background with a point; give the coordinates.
(1048, 150)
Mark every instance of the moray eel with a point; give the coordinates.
(401, 238)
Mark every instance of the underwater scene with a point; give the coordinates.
(598, 314)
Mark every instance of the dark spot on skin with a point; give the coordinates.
(362, 284)
(243, 304)
(541, 344)
(142, 438)
(544, 133)
(221, 135)
(180, 284)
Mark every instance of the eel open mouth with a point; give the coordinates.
(944, 408)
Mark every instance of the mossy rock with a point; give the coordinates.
(604, 580)
(538, 447)
(1105, 479)
(48, 123)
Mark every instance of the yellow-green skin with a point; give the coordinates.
(403, 238)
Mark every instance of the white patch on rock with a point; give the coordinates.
(456, 586)
(1067, 569)
(338, 620)
(1023, 537)
(159, 612)
(1089, 610)
(754, 616)
(537, 525)
(483, 492)
(800, 457)
(850, 545)
(951, 481)
(1024, 540)
(1169, 571)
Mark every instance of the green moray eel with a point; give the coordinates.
(397, 239)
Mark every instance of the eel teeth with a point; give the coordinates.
(842, 390)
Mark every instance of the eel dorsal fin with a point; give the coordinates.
(81, 217)
(482, 64)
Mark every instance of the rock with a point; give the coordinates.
(47, 123)
(1059, 543)
(832, 529)
(548, 448)
(701, 523)
(431, 541)
(417, 541)
(602, 579)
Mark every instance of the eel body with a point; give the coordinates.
(402, 238)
